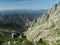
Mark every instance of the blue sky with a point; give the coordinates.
(27, 4)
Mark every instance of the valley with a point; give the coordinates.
(16, 21)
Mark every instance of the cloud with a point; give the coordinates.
(13, 0)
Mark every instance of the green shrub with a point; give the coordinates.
(57, 43)
(26, 42)
(39, 43)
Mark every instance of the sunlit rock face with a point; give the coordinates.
(47, 27)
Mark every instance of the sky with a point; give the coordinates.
(27, 4)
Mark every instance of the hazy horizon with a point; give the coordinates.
(27, 4)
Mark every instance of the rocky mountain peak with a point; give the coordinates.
(47, 26)
(51, 13)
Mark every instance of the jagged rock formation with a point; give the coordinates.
(47, 27)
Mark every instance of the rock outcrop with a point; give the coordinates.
(47, 27)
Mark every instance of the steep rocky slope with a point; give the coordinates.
(47, 27)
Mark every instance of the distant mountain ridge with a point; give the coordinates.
(23, 15)
(26, 11)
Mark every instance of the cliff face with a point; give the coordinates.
(47, 27)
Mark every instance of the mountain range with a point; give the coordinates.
(17, 20)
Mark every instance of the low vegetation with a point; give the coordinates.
(19, 41)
